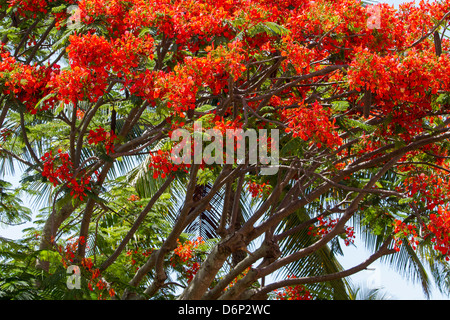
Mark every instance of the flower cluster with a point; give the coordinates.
(191, 270)
(28, 84)
(190, 23)
(222, 125)
(297, 55)
(324, 226)
(144, 85)
(78, 84)
(432, 189)
(68, 253)
(211, 72)
(403, 230)
(110, 13)
(89, 51)
(120, 55)
(186, 256)
(99, 135)
(349, 235)
(59, 169)
(127, 52)
(80, 114)
(94, 59)
(258, 190)
(298, 292)
(161, 164)
(133, 197)
(440, 229)
(404, 94)
(27, 8)
(184, 251)
(96, 282)
(312, 123)
(96, 279)
(136, 255)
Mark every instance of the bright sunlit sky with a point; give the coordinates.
(379, 274)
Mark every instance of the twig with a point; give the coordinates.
(426, 35)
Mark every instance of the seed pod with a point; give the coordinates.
(367, 103)
(190, 113)
(113, 120)
(437, 43)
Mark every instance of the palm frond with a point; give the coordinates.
(322, 261)
(406, 262)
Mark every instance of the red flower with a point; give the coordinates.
(297, 292)
(311, 123)
(100, 135)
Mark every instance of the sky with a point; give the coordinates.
(378, 275)
(394, 2)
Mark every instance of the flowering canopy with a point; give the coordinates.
(91, 92)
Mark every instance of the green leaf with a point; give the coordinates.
(405, 200)
(50, 95)
(276, 28)
(205, 108)
(59, 9)
(340, 105)
(358, 124)
(443, 98)
(95, 197)
(293, 147)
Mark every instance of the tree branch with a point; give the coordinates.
(382, 251)
(136, 224)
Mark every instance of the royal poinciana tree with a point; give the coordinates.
(356, 96)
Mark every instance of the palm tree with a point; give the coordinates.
(362, 292)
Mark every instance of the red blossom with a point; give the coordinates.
(297, 292)
(185, 255)
(311, 123)
(161, 164)
(324, 226)
(59, 170)
(99, 135)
